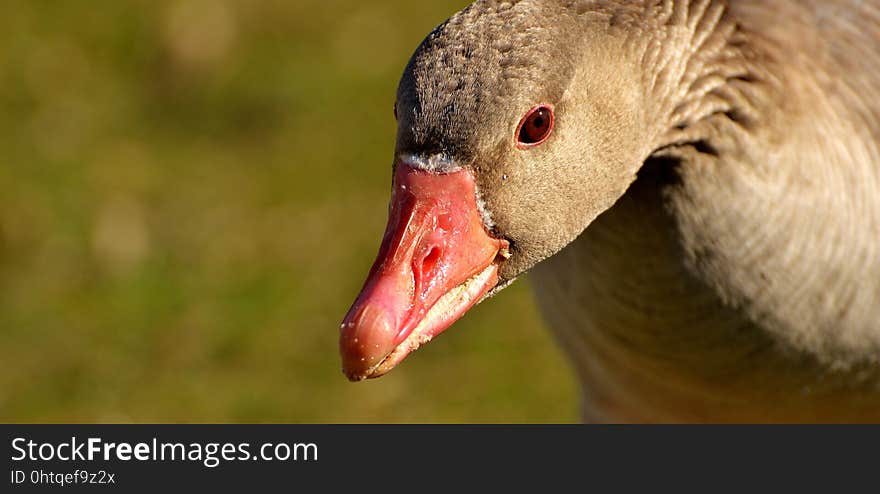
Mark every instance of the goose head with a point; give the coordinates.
(517, 125)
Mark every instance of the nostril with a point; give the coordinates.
(430, 260)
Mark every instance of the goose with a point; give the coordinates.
(693, 185)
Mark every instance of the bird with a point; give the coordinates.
(693, 187)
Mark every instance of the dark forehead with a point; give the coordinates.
(478, 68)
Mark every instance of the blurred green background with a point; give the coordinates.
(191, 194)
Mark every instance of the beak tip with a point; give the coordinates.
(366, 339)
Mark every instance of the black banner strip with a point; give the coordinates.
(241, 458)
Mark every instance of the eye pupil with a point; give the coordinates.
(535, 126)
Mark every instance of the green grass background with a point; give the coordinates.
(191, 194)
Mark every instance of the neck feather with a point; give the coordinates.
(701, 69)
(776, 205)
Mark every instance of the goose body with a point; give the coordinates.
(704, 218)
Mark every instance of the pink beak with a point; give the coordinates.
(436, 261)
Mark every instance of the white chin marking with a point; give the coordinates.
(436, 163)
(444, 309)
(485, 214)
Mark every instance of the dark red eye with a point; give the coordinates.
(535, 127)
